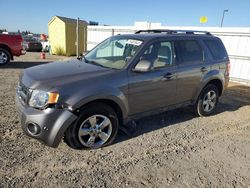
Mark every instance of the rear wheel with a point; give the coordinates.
(97, 126)
(207, 101)
(4, 56)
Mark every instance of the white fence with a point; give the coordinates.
(236, 41)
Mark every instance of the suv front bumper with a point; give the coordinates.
(47, 126)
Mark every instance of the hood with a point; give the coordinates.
(59, 73)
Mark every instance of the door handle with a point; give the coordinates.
(203, 69)
(168, 76)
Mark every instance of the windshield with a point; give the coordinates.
(114, 52)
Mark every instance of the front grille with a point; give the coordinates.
(23, 93)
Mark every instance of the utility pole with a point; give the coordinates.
(223, 15)
(77, 38)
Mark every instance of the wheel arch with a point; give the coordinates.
(117, 106)
(215, 81)
(4, 46)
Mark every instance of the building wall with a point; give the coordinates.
(57, 35)
(97, 34)
(71, 38)
(236, 41)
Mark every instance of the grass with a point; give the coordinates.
(59, 51)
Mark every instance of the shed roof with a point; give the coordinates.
(68, 20)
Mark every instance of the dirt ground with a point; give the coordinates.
(172, 149)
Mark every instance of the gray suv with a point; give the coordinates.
(86, 100)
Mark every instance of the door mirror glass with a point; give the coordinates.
(143, 66)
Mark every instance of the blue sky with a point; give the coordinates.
(34, 15)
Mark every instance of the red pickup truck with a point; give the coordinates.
(10, 46)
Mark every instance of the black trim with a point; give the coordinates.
(159, 110)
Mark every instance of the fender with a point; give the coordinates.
(106, 93)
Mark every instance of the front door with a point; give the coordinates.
(156, 88)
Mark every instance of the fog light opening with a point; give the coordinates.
(33, 129)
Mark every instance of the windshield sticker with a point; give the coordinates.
(134, 42)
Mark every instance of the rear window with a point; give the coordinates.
(188, 51)
(216, 49)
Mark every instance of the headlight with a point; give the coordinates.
(40, 99)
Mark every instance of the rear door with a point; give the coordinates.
(192, 67)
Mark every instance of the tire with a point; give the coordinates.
(207, 101)
(4, 57)
(96, 127)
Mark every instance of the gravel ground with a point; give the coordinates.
(35, 56)
(171, 149)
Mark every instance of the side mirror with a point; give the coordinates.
(143, 66)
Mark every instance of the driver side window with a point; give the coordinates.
(159, 54)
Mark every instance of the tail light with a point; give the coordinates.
(24, 45)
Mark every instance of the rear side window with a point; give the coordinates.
(216, 49)
(188, 51)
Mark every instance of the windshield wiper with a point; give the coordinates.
(98, 64)
(95, 63)
(82, 57)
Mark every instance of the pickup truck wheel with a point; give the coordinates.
(208, 100)
(4, 56)
(97, 126)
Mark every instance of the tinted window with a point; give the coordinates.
(188, 51)
(159, 54)
(216, 49)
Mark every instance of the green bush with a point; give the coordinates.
(59, 51)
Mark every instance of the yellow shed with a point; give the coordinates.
(62, 35)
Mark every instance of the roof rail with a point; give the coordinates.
(192, 32)
(173, 31)
(154, 31)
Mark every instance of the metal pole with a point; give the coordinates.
(224, 11)
(113, 45)
(77, 38)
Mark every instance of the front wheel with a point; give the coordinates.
(4, 57)
(207, 101)
(97, 126)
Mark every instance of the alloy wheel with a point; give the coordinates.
(3, 57)
(95, 131)
(209, 101)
